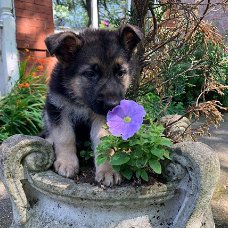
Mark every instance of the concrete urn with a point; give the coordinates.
(41, 198)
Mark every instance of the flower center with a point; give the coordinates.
(127, 119)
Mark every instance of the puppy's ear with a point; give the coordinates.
(130, 36)
(63, 45)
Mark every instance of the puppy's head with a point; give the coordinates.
(96, 64)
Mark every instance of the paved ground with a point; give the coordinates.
(218, 141)
(5, 208)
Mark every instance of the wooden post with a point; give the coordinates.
(94, 14)
(9, 71)
(128, 6)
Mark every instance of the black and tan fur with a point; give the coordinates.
(92, 75)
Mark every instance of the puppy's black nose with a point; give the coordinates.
(111, 103)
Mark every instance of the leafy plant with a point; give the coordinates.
(180, 61)
(21, 108)
(137, 155)
(157, 108)
(86, 152)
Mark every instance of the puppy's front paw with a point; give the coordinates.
(106, 175)
(67, 167)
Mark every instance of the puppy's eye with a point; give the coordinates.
(121, 73)
(89, 74)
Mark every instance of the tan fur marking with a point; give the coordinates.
(126, 82)
(76, 85)
(104, 172)
(127, 78)
(95, 60)
(63, 137)
(119, 61)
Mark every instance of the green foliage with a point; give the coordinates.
(87, 153)
(152, 103)
(189, 68)
(112, 11)
(156, 108)
(69, 14)
(21, 108)
(75, 14)
(222, 77)
(138, 155)
(175, 107)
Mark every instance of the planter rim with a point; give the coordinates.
(49, 182)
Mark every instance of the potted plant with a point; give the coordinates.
(41, 198)
(133, 147)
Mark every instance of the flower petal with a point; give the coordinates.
(117, 111)
(116, 123)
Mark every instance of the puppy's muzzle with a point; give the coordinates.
(109, 102)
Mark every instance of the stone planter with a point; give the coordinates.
(41, 198)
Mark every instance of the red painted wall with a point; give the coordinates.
(34, 21)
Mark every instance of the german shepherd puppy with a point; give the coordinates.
(91, 77)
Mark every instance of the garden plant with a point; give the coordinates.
(134, 147)
(21, 108)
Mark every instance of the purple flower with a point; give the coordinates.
(125, 119)
(106, 23)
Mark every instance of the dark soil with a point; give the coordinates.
(87, 175)
(87, 172)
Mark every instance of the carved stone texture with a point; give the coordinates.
(202, 173)
(16, 153)
(176, 127)
(55, 201)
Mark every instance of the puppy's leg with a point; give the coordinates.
(63, 137)
(104, 172)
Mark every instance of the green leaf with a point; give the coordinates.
(138, 173)
(166, 154)
(155, 166)
(136, 151)
(158, 152)
(144, 175)
(141, 162)
(127, 173)
(166, 142)
(86, 154)
(100, 159)
(135, 142)
(119, 159)
(116, 168)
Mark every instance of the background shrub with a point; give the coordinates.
(21, 109)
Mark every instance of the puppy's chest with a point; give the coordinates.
(81, 123)
(78, 115)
